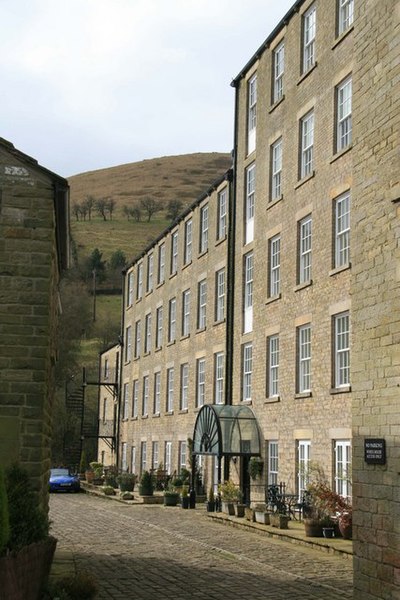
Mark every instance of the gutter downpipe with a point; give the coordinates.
(231, 276)
(121, 356)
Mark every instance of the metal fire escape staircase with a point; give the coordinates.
(106, 430)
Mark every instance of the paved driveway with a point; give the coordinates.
(149, 552)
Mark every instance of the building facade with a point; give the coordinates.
(309, 336)
(293, 149)
(173, 359)
(34, 249)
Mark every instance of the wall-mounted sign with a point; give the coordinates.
(375, 451)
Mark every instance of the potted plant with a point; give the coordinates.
(230, 494)
(177, 483)
(110, 476)
(108, 490)
(261, 514)
(126, 482)
(82, 466)
(26, 549)
(279, 520)
(185, 497)
(171, 498)
(256, 465)
(97, 469)
(211, 500)
(146, 485)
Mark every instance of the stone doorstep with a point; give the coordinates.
(295, 534)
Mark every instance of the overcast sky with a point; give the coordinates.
(87, 84)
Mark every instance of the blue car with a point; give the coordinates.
(61, 480)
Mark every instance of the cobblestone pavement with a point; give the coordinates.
(148, 552)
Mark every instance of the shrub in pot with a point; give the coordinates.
(110, 476)
(126, 482)
(185, 497)
(230, 494)
(108, 490)
(211, 500)
(146, 485)
(171, 498)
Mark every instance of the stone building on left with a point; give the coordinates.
(34, 250)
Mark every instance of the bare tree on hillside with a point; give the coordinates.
(126, 210)
(101, 207)
(76, 210)
(174, 209)
(110, 207)
(89, 203)
(136, 213)
(150, 206)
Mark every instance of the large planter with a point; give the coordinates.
(346, 529)
(210, 505)
(313, 528)
(262, 517)
(24, 574)
(279, 521)
(239, 509)
(185, 501)
(171, 499)
(228, 508)
(145, 490)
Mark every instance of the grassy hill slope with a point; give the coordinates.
(167, 178)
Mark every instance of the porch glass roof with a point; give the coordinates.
(226, 430)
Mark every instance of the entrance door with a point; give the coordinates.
(245, 479)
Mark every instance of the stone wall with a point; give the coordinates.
(376, 298)
(29, 303)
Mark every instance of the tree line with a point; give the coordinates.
(145, 208)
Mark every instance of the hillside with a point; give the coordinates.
(167, 178)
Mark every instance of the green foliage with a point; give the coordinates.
(83, 462)
(118, 260)
(4, 516)
(256, 466)
(230, 492)
(126, 482)
(28, 523)
(110, 476)
(108, 490)
(82, 586)
(146, 484)
(211, 497)
(95, 263)
(174, 209)
(97, 469)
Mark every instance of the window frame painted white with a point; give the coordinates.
(125, 411)
(168, 457)
(159, 327)
(135, 398)
(161, 264)
(342, 332)
(307, 144)
(184, 387)
(344, 97)
(219, 368)
(274, 263)
(139, 284)
(133, 459)
(278, 71)
(251, 113)
(309, 36)
(220, 295)
(276, 169)
(200, 382)
(138, 338)
(250, 200)
(170, 390)
(143, 456)
(342, 208)
(203, 245)
(342, 465)
(182, 452)
(273, 365)
(147, 336)
(172, 320)
(188, 248)
(145, 395)
(155, 455)
(345, 15)
(124, 457)
(129, 289)
(185, 313)
(128, 343)
(247, 371)
(303, 466)
(273, 462)
(157, 393)
(248, 292)
(304, 357)
(222, 208)
(174, 253)
(202, 304)
(305, 250)
(150, 272)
